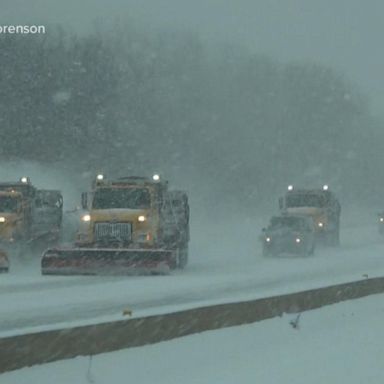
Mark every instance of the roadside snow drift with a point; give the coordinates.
(342, 343)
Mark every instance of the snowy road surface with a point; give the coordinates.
(342, 343)
(219, 271)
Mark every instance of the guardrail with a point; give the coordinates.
(43, 347)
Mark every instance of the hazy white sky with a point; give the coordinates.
(346, 34)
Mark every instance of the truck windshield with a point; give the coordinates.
(8, 204)
(48, 199)
(304, 200)
(290, 222)
(130, 198)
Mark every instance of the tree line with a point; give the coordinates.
(229, 123)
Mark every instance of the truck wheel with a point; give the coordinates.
(334, 238)
(267, 252)
(175, 260)
(183, 257)
(312, 250)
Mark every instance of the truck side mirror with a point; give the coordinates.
(84, 200)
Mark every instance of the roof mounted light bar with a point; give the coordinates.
(25, 180)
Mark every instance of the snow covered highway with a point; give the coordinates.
(216, 274)
(191, 191)
(340, 343)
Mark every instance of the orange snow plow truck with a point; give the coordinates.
(132, 225)
(27, 216)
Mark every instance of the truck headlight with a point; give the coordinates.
(320, 224)
(2, 219)
(381, 219)
(268, 239)
(86, 218)
(298, 240)
(141, 218)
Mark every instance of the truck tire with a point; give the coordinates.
(267, 252)
(183, 257)
(334, 238)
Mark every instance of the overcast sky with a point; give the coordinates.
(345, 34)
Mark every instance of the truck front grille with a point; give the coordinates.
(113, 231)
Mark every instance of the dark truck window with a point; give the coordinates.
(131, 198)
(8, 204)
(290, 222)
(48, 199)
(304, 200)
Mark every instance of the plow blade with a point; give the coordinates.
(100, 261)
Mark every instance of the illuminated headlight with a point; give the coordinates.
(320, 224)
(2, 219)
(86, 218)
(156, 177)
(268, 239)
(24, 180)
(381, 219)
(141, 218)
(298, 240)
(100, 177)
(290, 187)
(325, 187)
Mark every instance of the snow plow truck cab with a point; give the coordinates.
(291, 234)
(48, 213)
(131, 225)
(15, 215)
(20, 217)
(21, 213)
(319, 204)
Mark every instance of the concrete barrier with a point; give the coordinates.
(43, 347)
